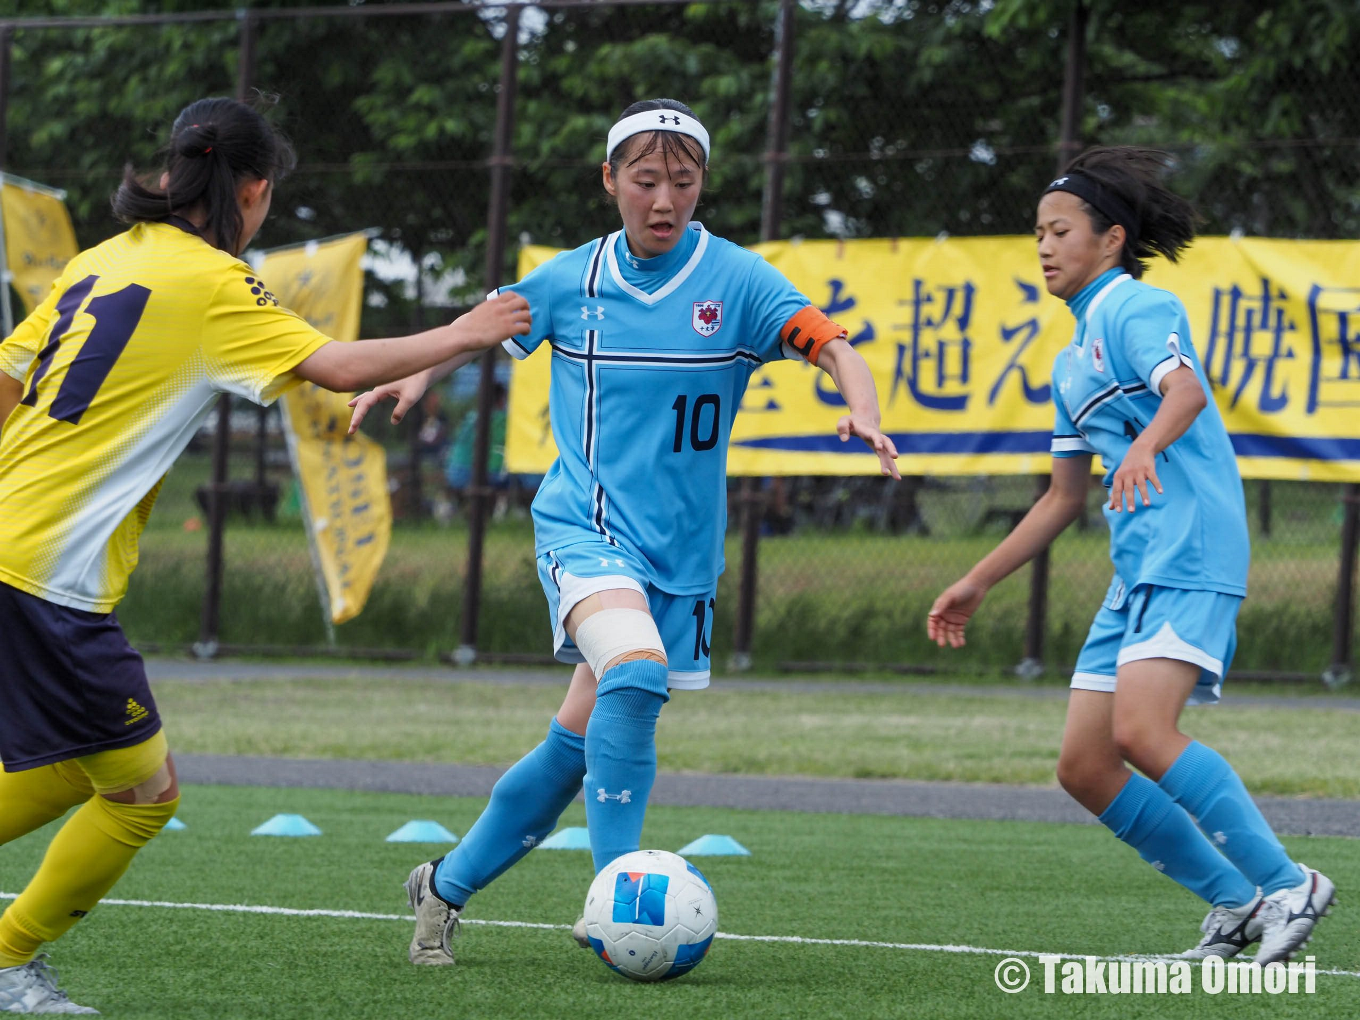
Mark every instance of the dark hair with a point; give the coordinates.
(215, 145)
(1165, 221)
(673, 145)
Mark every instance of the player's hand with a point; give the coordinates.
(852, 425)
(1131, 481)
(406, 392)
(951, 611)
(495, 319)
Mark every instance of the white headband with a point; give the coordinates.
(656, 120)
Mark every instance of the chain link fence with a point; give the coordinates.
(901, 119)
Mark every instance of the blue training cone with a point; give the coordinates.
(714, 846)
(175, 825)
(422, 831)
(574, 838)
(286, 825)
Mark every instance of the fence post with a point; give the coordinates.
(1342, 669)
(771, 211)
(6, 56)
(206, 645)
(1069, 144)
(478, 492)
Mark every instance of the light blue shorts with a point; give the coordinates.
(1199, 627)
(684, 621)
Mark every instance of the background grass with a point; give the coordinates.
(848, 595)
(989, 884)
(1000, 735)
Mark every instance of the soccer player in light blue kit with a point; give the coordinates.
(654, 332)
(1130, 388)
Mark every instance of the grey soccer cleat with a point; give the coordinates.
(1229, 930)
(436, 918)
(1291, 914)
(32, 988)
(578, 932)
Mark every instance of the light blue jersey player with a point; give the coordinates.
(654, 331)
(1189, 548)
(1130, 389)
(650, 361)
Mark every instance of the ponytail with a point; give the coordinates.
(215, 146)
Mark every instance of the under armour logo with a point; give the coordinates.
(604, 562)
(674, 120)
(1159, 865)
(625, 797)
(1220, 838)
(531, 841)
(1059, 181)
(586, 313)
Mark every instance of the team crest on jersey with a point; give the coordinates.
(1098, 354)
(707, 318)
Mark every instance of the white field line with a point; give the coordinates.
(924, 947)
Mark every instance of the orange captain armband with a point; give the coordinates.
(809, 330)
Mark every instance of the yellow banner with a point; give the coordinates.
(343, 478)
(961, 335)
(39, 238)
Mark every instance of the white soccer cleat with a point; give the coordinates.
(32, 988)
(1290, 915)
(1229, 930)
(436, 918)
(578, 932)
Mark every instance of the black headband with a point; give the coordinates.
(1101, 198)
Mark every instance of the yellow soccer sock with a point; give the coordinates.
(87, 856)
(34, 797)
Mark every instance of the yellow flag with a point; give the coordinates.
(39, 238)
(343, 478)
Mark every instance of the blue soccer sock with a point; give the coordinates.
(525, 805)
(621, 756)
(1202, 782)
(1145, 818)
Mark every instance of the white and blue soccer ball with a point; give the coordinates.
(651, 915)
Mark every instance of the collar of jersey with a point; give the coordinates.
(668, 261)
(1085, 301)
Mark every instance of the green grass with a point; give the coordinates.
(993, 885)
(997, 737)
(844, 596)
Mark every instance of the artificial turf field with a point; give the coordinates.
(937, 891)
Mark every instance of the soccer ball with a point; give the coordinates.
(651, 915)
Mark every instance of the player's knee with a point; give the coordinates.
(613, 636)
(1082, 775)
(1134, 737)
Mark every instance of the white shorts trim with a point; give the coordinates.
(1167, 644)
(1093, 682)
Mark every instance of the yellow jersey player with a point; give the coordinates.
(100, 389)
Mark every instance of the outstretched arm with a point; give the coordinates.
(1051, 513)
(856, 384)
(345, 367)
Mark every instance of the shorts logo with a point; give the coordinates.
(707, 318)
(1098, 354)
(136, 713)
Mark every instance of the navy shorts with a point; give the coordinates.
(70, 684)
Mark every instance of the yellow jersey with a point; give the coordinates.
(120, 365)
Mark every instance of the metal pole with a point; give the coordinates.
(6, 301)
(1074, 86)
(1342, 669)
(1069, 144)
(478, 492)
(771, 214)
(206, 645)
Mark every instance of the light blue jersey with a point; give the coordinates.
(1106, 388)
(651, 358)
